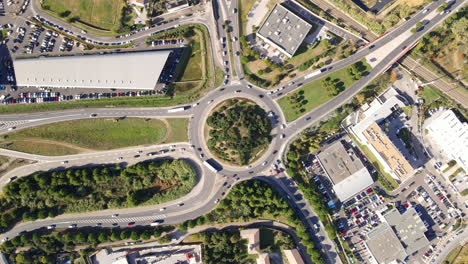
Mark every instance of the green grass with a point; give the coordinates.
(194, 67)
(71, 137)
(429, 95)
(101, 14)
(178, 130)
(143, 101)
(184, 87)
(450, 165)
(387, 181)
(455, 173)
(315, 94)
(459, 255)
(39, 148)
(219, 76)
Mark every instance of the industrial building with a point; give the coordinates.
(451, 135)
(397, 237)
(284, 30)
(133, 70)
(345, 170)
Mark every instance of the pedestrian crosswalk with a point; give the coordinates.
(8, 124)
(120, 220)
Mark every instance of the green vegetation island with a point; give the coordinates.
(47, 194)
(239, 131)
(77, 136)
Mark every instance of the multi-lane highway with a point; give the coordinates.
(209, 188)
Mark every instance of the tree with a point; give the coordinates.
(81, 237)
(146, 235)
(103, 237)
(115, 235)
(459, 29)
(135, 235)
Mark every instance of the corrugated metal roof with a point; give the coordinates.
(135, 70)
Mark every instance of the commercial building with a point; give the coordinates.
(253, 243)
(293, 256)
(190, 254)
(384, 245)
(380, 142)
(176, 5)
(284, 30)
(365, 127)
(133, 70)
(398, 236)
(345, 170)
(409, 228)
(451, 135)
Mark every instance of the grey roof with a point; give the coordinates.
(409, 228)
(135, 70)
(384, 245)
(345, 170)
(284, 29)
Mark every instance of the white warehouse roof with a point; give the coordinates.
(136, 70)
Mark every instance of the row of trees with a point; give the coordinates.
(237, 129)
(45, 246)
(47, 194)
(257, 200)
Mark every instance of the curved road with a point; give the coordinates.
(201, 198)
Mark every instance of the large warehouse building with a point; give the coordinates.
(135, 70)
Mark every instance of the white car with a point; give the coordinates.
(264, 163)
(216, 201)
(65, 162)
(162, 209)
(282, 136)
(72, 226)
(209, 102)
(114, 215)
(11, 128)
(283, 126)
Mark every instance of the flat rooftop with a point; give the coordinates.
(284, 29)
(385, 245)
(338, 162)
(409, 228)
(133, 70)
(384, 146)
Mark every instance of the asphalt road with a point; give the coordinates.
(201, 200)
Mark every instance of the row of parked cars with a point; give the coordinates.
(69, 32)
(40, 97)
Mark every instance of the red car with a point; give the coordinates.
(131, 223)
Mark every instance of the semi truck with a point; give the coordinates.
(178, 109)
(210, 167)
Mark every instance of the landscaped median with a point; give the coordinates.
(318, 92)
(47, 194)
(72, 137)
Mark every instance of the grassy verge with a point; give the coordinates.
(455, 173)
(314, 94)
(178, 130)
(143, 101)
(459, 255)
(71, 137)
(387, 181)
(196, 65)
(98, 17)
